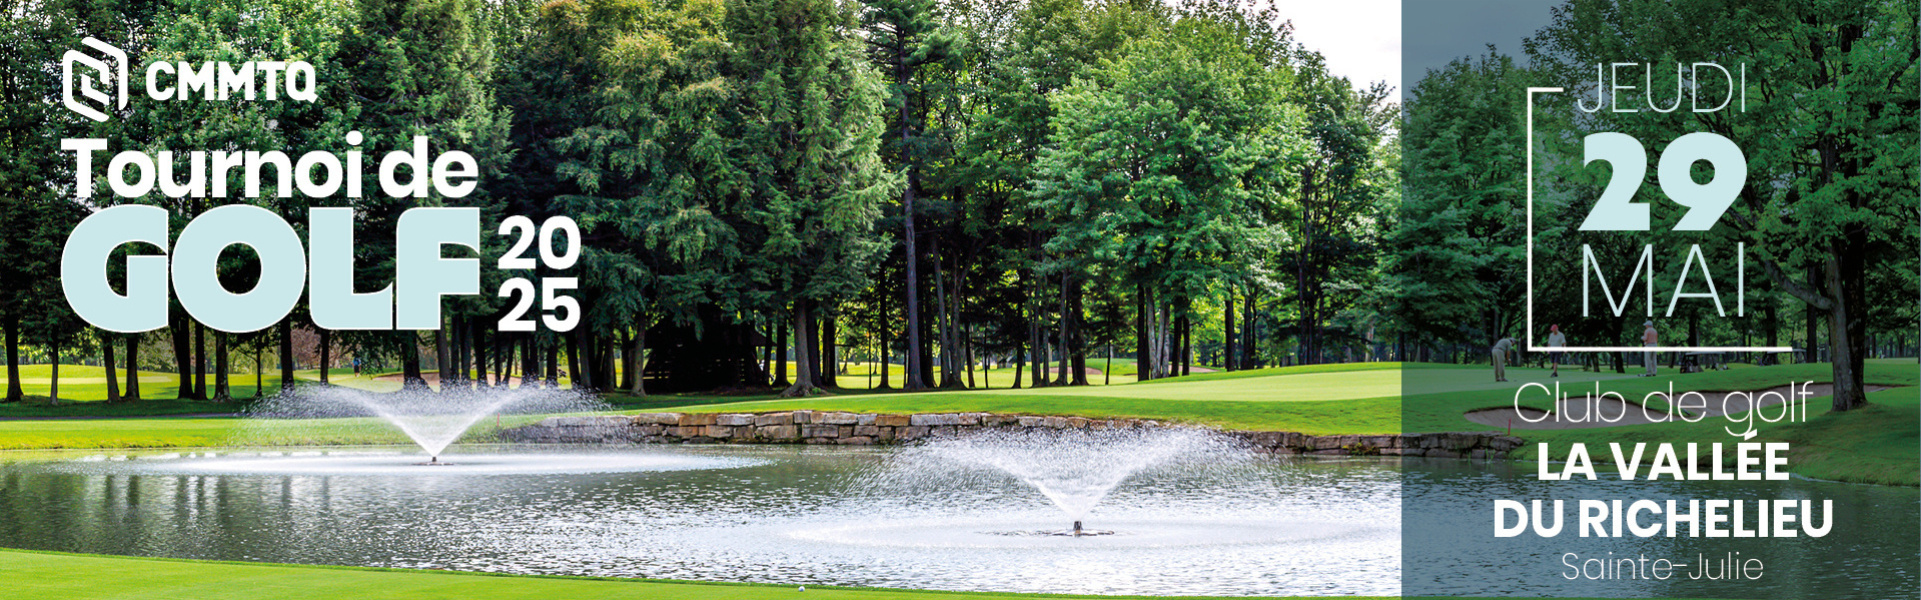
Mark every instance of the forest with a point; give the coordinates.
(769, 189)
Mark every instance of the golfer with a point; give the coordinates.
(1650, 339)
(1555, 341)
(1499, 354)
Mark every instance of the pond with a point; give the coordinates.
(788, 515)
(812, 515)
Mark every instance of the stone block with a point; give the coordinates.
(684, 432)
(696, 419)
(1031, 421)
(717, 431)
(803, 417)
(865, 419)
(733, 419)
(1077, 422)
(892, 420)
(887, 434)
(856, 441)
(649, 430)
(867, 430)
(779, 418)
(968, 419)
(1054, 422)
(911, 433)
(778, 432)
(812, 430)
(657, 419)
(838, 418)
(934, 420)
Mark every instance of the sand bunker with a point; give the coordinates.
(1575, 408)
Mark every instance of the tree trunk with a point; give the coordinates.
(1848, 324)
(1811, 352)
(477, 337)
(1060, 375)
(606, 380)
(626, 359)
(327, 356)
(1228, 362)
(780, 357)
(913, 380)
(638, 364)
(1107, 372)
(459, 353)
(1035, 343)
(200, 361)
(829, 355)
(1250, 333)
(133, 369)
(1180, 339)
(14, 393)
(222, 388)
(411, 378)
(182, 355)
(886, 346)
(1020, 364)
(507, 349)
(443, 359)
(552, 352)
(804, 366)
(286, 356)
(259, 373)
(530, 361)
(53, 392)
(1076, 336)
(1141, 335)
(106, 360)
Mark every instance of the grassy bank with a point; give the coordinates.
(86, 577)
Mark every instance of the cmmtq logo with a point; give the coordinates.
(98, 72)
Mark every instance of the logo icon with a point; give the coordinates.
(98, 74)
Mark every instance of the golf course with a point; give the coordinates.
(1876, 445)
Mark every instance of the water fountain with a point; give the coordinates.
(433, 420)
(1073, 468)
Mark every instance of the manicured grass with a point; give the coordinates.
(82, 384)
(80, 577)
(1322, 400)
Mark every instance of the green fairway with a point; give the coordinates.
(80, 577)
(84, 384)
(1318, 399)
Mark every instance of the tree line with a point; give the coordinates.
(940, 184)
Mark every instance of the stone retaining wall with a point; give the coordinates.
(846, 428)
